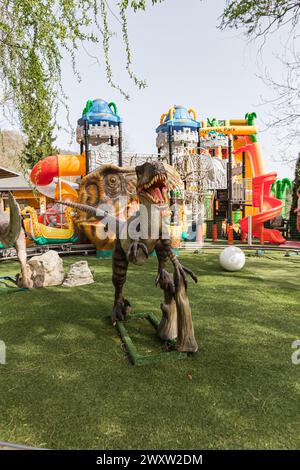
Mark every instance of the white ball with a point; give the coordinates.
(232, 258)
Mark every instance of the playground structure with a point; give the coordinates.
(195, 148)
(220, 163)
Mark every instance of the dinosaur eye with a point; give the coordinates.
(112, 185)
(112, 181)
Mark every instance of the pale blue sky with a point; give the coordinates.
(185, 60)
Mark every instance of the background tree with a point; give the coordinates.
(295, 235)
(34, 35)
(260, 19)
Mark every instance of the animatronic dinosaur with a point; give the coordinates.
(154, 181)
(116, 187)
(12, 234)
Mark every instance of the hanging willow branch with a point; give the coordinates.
(34, 36)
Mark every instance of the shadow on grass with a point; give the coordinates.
(69, 384)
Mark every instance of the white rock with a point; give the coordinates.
(46, 269)
(78, 275)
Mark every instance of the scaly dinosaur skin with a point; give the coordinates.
(12, 234)
(106, 185)
(150, 186)
(152, 191)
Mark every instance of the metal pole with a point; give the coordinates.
(199, 142)
(229, 182)
(60, 198)
(87, 145)
(250, 230)
(172, 199)
(199, 222)
(170, 138)
(215, 227)
(244, 182)
(229, 185)
(120, 142)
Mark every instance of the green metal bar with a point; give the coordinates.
(138, 359)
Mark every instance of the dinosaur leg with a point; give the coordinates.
(167, 329)
(180, 270)
(119, 267)
(186, 341)
(20, 245)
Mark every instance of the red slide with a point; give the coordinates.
(269, 207)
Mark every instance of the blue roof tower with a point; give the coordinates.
(177, 129)
(99, 124)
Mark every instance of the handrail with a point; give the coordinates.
(171, 112)
(162, 118)
(193, 111)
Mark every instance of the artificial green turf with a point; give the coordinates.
(68, 382)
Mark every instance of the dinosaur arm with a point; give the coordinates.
(179, 268)
(119, 271)
(163, 278)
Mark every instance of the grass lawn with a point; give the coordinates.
(68, 382)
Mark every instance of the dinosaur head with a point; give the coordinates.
(152, 183)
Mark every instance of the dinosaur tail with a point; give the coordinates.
(82, 207)
(12, 232)
(98, 213)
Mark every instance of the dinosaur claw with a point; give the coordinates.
(132, 252)
(180, 274)
(145, 249)
(121, 309)
(191, 273)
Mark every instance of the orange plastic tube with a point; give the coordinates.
(193, 112)
(71, 165)
(45, 170)
(256, 157)
(214, 233)
(162, 118)
(229, 234)
(255, 154)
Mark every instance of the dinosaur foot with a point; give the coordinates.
(167, 329)
(189, 345)
(121, 309)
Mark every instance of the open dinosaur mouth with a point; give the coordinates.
(156, 190)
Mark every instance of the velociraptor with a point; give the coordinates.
(152, 188)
